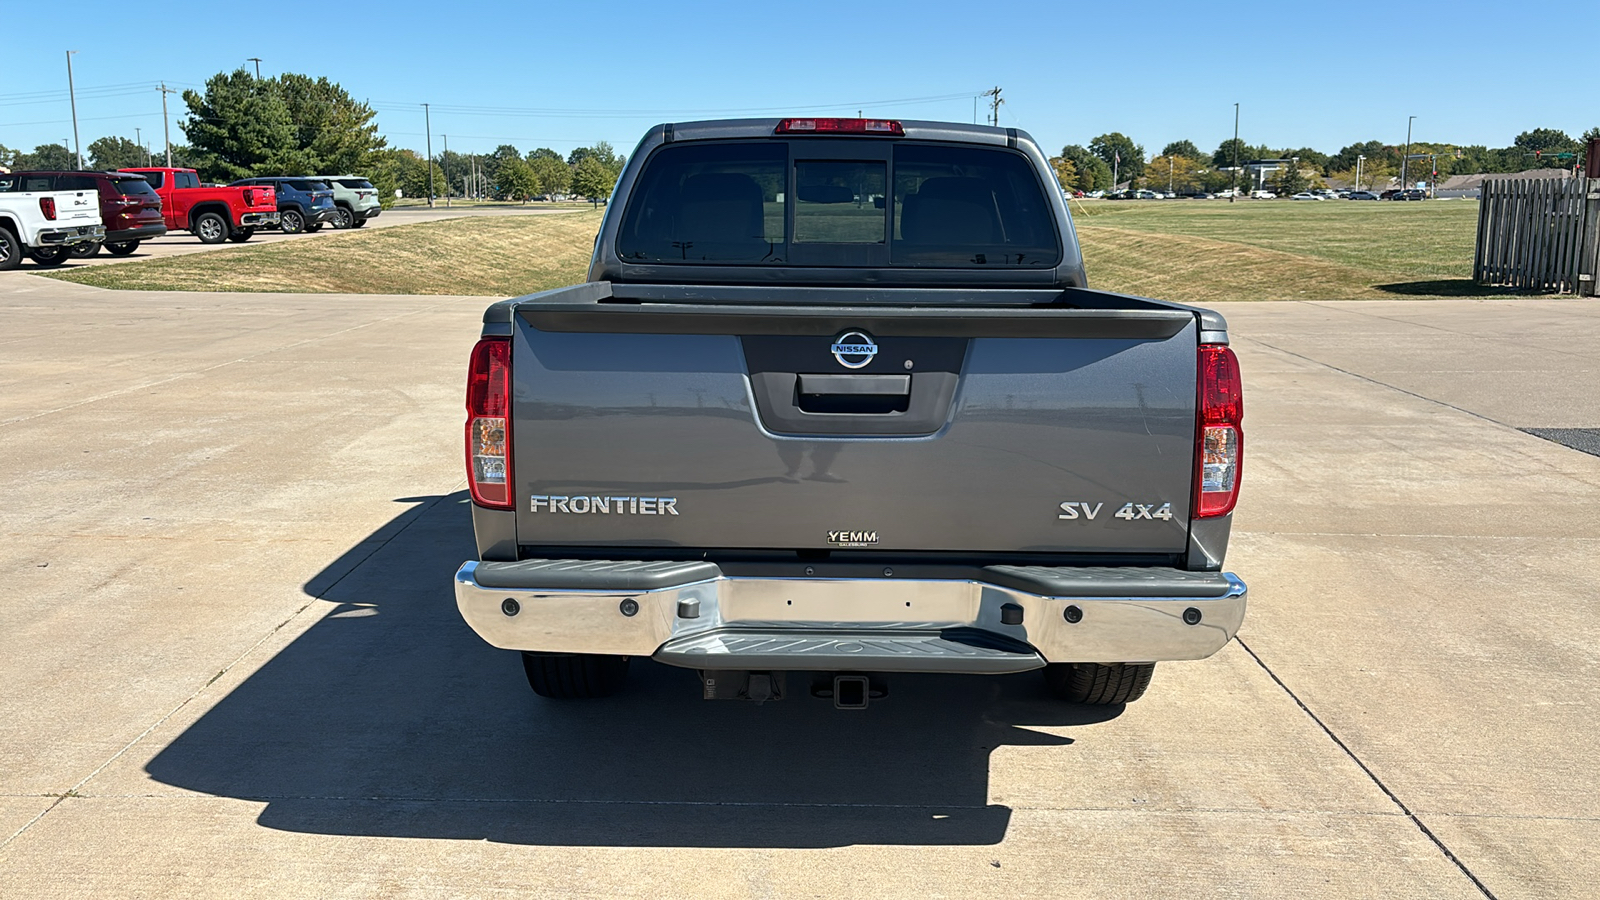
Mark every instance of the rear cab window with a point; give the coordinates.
(156, 179)
(185, 180)
(821, 202)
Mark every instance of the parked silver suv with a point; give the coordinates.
(355, 199)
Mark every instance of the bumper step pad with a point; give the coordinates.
(906, 651)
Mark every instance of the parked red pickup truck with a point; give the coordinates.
(214, 214)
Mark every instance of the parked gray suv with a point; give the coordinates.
(354, 198)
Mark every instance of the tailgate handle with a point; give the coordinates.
(836, 385)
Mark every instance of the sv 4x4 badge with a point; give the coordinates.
(1077, 509)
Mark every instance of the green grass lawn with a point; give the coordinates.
(1208, 250)
(1194, 251)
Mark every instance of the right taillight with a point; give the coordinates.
(489, 423)
(1220, 438)
(47, 205)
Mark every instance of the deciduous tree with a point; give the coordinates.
(115, 153)
(515, 180)
(1120, 152)
(591, 178)
(553, 174)
(1182, 148)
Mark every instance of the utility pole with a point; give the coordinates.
(447, 174)
(72, 95)
(1170, 163)
(166, 121)
(138, 139)
(257, 61)
(428, 126)
(1404, 157)
(1358, 171)
(994, 105)
(1233, 189)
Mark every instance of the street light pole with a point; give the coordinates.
(72, 94)
(257, 61)
(446, 174)
(1233, 189)
(1405, 157)
(1358, 171)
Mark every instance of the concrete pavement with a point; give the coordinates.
(233, 665)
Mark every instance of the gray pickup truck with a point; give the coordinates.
(836, 402)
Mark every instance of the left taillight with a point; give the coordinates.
(249, 197)
(1219, 443)
(489, 423)
(47, 205)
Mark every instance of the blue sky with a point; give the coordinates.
(564, 75)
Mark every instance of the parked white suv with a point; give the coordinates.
(43, 224)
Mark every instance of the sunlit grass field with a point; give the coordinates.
(1194, 251)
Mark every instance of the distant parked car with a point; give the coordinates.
(1306, 195)
(354, 198)
(1413, 194)
(303, 204)
(1263, 195)
(1146, 195)
(129, 208)
(214, 215)
(1361, 195)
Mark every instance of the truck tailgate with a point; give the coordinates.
(76, 208)
(710, 426)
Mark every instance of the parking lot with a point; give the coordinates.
(233, 665)
(182, 243)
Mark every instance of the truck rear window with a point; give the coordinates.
(758, 203)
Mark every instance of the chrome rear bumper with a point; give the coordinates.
(1008, 619)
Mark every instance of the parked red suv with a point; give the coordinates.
(129, 207)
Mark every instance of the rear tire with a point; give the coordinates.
(210, 228)
(1098, 684)
(85, 249)
(574, 676)
(50, 256)
(240, 235)
(314, 228)
(292, 222)
(10, 250)
(122, 248)
(345, 219)
(358, 223)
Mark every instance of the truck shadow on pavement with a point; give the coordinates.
(389, 717)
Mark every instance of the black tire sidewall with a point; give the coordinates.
(13, 250)
(93, 248)
(292, 215)
(52, 257)
(114, 250)
(346, 219)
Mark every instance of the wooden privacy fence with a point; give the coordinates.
(1539, 234)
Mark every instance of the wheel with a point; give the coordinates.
(359, 223)
(345, 218)
(210, 228)
(10, 250)
(122, 248)
(314, 228)
(574, 676)
(1098, 684)
(50, 256)
(240, 235)
(85, 249)
(292, 222)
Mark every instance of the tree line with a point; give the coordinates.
(1186, 168)
(242, 126)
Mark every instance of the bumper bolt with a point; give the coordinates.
(510, 607)
(1073, 615)
(1191, 616)
(629, 607)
